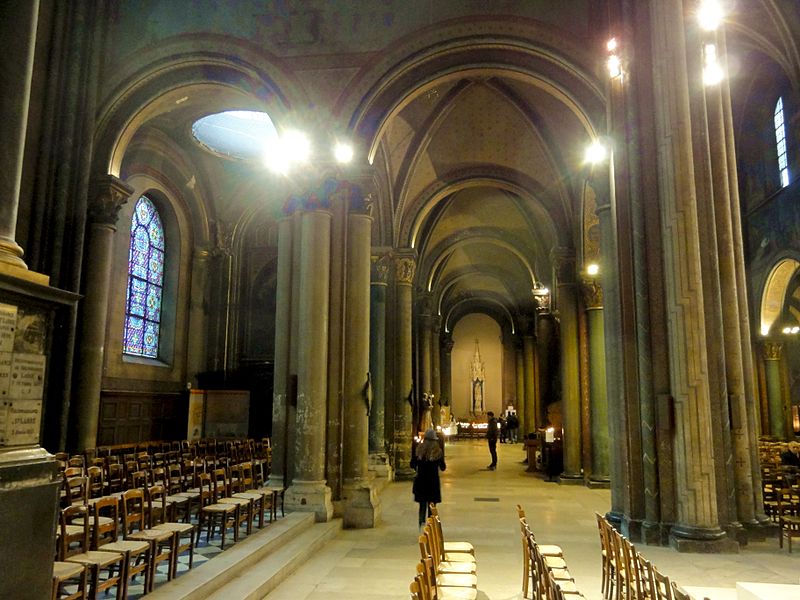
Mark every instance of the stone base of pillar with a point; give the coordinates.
(29, 485)
(380, 466)
(701, 540)
(598, 483)
(310, 496)
(654, 534)
(20, 271)
(569, 479)
(404, 473)
(758, 531)
(362, 508)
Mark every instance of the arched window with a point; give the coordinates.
(780, 140)
(145, 281)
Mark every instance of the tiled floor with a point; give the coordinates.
(479, 506)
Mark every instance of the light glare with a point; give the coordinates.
(712, 72)
(343, 153)
(296, 146)
(595, 153)
(611, 45)
(709, 15)
(614, 66)
(592, 269)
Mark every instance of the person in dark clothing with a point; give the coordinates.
(503, 429)
(427, 460)
(491, 436)
(512, 424)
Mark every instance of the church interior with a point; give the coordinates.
(274, 241)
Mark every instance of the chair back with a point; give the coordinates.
(662, 589)
(246, 476)
(156, 505)
(75, 490)
(220, 482)
(138, 480)
(133, 511)
(105, 531)
(206, 491)
(73, 540)
(96, 484)
(678, 593)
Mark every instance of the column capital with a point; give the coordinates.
(772, 350)
(379, 264)
(563, 259)
(405, 267)
(109, 193)
(446, 343)
(592, 294)
(426, 308)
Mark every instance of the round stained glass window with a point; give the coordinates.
(241, 134)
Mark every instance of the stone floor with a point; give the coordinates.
(479, 506)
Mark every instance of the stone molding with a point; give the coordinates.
(772, 350)
(592, 294)
(380, 269)
(405, 267)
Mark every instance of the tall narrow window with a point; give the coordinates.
(780, 139)
(145, 281)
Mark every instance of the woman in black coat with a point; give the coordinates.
(428, 460)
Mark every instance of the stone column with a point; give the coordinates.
(598, 401)
(425, 343)
(379, 460)
(519, 355)
(279, 473)
(436, 380)
(404, 267)
(361, 505)
(18, 23)
(109, 195)
(446, 366)
(697, 524)
(566, 301)
(309, 491)
(196, 352)
(530, 413)
(772, 373)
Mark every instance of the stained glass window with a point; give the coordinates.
(780, 140)
(145, 281)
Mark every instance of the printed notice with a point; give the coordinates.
(5, 373)
(8, 327)
(23, 421)
(27, 377)
(4, 404)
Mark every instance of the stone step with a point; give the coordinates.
(265, 558)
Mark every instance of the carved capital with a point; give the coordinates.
(380, 268)
(405, 267)
(447, 343)
(426, 306)
(772, 350)
(592, 294)
(109, 193)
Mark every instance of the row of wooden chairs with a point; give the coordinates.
(447, 570)
(627, 574)
(545, 575)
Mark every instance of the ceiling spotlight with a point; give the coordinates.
(595, 153)
(343, 153)
(709, 14)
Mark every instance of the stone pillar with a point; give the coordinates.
(598, 401)
(279, 473)
(404, 267)
(379, 460)
(361, 505)
(740, 435)
(566, 301)
(425, 344)
(109, 195)
(436, 366)
(530, 413)
(309, 491)
(18, 23)
(519, 355)
(446, 379)
(697, 525)
(196, 352)
(772, 373)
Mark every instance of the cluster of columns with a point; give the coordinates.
(679, 370)
(322, 387)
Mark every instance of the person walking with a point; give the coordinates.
(512, 424)
(491, 436)
(427, 460)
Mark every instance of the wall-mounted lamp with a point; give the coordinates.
(613, 63)
(592, 269)
(712, 71)
(710, 14)
(596, 152)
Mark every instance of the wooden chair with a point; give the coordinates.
(105, 538)
(243, 488)
(467, 580)
(96, 487)
(162, 543)
(428, 548)
(643, 577)
(608, 565)
(213, 513)
(222, 495)
(547, 569)
(432, 589)
(678, 593)
(115, 478)
(788, 515)
(69, 574)
(74, 547)
(184, 533)
(660, 584)
(451, 546)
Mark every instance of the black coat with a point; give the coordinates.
(426, 483)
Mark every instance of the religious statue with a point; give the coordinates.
(478, 376)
